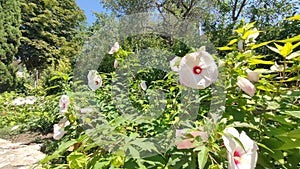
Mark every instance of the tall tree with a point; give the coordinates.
(9, 41)
(49, 32)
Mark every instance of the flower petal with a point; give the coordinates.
(197, 70)
(94, 80)
(246, 86)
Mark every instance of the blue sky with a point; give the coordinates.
(90, 6)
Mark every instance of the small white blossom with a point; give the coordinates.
(246, 86)
(30, 99)
(94, 80)
(18, 101)
(143, 85)
(64, 102)
(58, 129)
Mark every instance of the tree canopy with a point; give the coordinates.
(9, 41)
(49, 31)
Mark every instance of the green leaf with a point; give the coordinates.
(49, 158)
(76, 160)
(249, 25)
(258, 61)
(62, 148)
(232, 42)
(293, 18)
(293, 113)
(265, 88)
(133, 152)
(292, 134)
(265, 147)
(202, 157)
(286, 49)
(291, 144)
(293, 39)
(296, 45)
(247, 125)
(225, 48)
(261, 44)
(249, 32)
(278, 46)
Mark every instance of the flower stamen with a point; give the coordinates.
(197, 70)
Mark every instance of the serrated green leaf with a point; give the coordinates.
(133, 152)
(76, 160)
(62, 148)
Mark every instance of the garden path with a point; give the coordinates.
(19, 155)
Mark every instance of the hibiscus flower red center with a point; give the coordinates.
(197, 70)
(97, 82)
(64, 106)
(236, 157)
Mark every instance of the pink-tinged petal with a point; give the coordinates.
(252, 76)
(246, 86)
(197, 70)
(185, 144)
(114, 49)
(174, 63)
(203, 135)
(94, 80)
(240, 157)
(116, 64)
